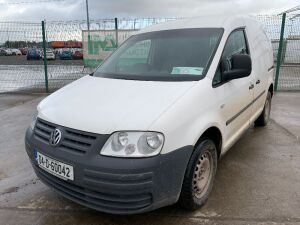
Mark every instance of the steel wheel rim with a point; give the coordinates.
(202, 174)
(267, 110)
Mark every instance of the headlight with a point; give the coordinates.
(133, 144)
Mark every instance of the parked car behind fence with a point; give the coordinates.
(3, 52)
(49, 54)
(23, 51)
(65, 55)
(8, 51)
(16, 51)
(78, 55)
(33, 53)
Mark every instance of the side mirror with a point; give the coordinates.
(241, 67)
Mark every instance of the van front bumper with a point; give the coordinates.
(114, 185)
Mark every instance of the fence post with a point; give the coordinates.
(45, 57)
(116, 28)
(279, 52)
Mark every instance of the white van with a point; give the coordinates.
(148, 127)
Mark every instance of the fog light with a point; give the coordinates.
(130, 149)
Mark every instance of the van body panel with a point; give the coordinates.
(87, 103)
(186, 112)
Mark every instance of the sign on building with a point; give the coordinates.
(99, 44)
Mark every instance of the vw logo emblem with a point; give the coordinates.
(55, 137)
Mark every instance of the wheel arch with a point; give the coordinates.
(213, 133)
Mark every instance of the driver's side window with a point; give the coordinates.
(136, 57)
(236, 44)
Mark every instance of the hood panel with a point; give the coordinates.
(101, 105)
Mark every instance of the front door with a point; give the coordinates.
(236, 95)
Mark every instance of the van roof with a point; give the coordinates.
(226, 22)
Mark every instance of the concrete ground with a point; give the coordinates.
(258, 180)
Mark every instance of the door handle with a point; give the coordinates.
(258, 82)
(251, 86)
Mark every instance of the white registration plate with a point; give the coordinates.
(56, 168)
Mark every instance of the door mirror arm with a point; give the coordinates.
(235, 74)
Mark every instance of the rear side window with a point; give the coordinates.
(236, 44)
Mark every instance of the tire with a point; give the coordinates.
(191, 197)
(264, 117)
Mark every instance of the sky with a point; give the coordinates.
(36, 10)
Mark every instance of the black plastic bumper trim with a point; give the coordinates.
(115, 185)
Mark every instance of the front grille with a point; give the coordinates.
(100, 198)
(73, 141)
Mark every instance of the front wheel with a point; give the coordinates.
(264, 117)
(199, 176)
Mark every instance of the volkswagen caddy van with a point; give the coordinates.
(148, 127)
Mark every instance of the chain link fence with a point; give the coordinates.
(73, 52)
(14, 74)
(289, 66)
(22, 66)
(289, 76)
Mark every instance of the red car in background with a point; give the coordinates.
(78, 55)
(23, 51)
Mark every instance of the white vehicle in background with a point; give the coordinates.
(73, 50)
(8, 51)
(148, 128)
(58, 51)
(2, 52)
(49, 54)
(16, 52)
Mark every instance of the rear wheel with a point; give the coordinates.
(264, 117)
(199, 176)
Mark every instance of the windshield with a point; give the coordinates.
(171, 55)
